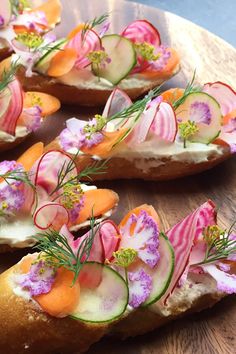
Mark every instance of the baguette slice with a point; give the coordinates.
(35, 332)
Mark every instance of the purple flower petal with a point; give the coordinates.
(32, 118)
(200, 113)
(225, 282)
(140, 286)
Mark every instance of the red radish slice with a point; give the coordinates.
(45, 171)
(5, 98)
(88, 279)
(83, 46)
(165, 124)
(117, 101)
(51, 215)
(183, 235)
(223, 94)
(9, 119)
(5, 12)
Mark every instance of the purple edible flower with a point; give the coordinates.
(224, 267)
(164, 54)
(231, 126)
(225, 282)
(145, 238)
(11, 200)
(104, 28)
(2, 22)
(32, 118)
(140, 286)
(39, 280)
(200, 113)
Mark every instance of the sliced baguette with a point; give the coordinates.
(148, 168)
(35, 332)
(85, 97)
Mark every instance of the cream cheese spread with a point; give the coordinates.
(21, 131)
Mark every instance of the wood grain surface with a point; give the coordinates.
(212, 331)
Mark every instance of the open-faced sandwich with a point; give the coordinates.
(177, 133)
(124, 280)
(84, 67)
(21, 112)
(18, 18)
(43, 190)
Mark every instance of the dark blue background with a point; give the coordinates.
(218, 16)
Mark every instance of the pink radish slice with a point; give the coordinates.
(165, 124)
(51, 215)
(88, 279)
(223, 94)
(83, 46)
(45, 171)
(183, 235)
(5, 12)
(9, 119)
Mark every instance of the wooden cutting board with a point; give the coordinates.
(212, 331)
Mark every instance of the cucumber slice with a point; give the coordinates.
(43, 63)
(123, 58)
(206, 112)
(5, 11)
(162, 273)
(105, 302)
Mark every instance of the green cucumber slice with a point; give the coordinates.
(123, 58)
(162, 273)
(105, 302)
(43, 63)
(205, 105)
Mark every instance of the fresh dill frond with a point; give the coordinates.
(8, 75)
(220, 245)
(94, 22)
(56, 248)
(190, 88)
(19, 176)
(98, 167)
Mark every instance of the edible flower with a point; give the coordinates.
(29, 39)
(99, 58)
(200, 113)
(72, 199)
(124, 257)
(140, 286)
(11, 200)
(187, 130)
(31, 118)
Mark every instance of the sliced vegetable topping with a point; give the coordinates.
(164, 124)
(5, 13)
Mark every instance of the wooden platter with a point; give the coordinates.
(212, 331)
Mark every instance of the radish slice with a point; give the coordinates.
(223, 94)
(45, 171)
(5, 13)
(183, 235)
(9, 119)
(51, 215)
(83, 46)
(107, 301)
(165, 124)
(117, 101)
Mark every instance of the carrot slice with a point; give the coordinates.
(63, 297)
(96, 203)
(172, 95)
(48, 104)
(221, 142)
(5, 65)
(52, 10)
(229, 116)
(62, 62)
(28, 158)
(172, 63)
(136, 211)
(76, 30)
(103, 149)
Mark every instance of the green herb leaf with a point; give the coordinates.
(94, 22)
(190, 88)
(8, 75)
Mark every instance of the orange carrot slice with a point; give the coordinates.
(76, 30)
(96, 203)
(229, 116)
(103, 149)
(172, 63)
(28, 158)
(221, 142)
(63, 297)
(62, 62)
(172, 95)
(52, 10)
(5, 65)
(48, 104)
(136, 211)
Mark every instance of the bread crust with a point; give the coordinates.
(166, 168)
(84, 97)
(7, 145)
(5, 52)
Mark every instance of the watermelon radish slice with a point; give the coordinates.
(51, 215)
(165, 124)
(223, 94)
(163, 272)
(5, 12)
(117, 102)
(205, 111)
(122, 54)
(107, 301)
(10, 115)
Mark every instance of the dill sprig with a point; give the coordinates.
(190, 88)
(219, 244)
(17, 175)
(94, 22)
(56, 248)
(8, 75)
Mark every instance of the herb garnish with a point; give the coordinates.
(94, 22)
(8, 75)
(190, 88)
